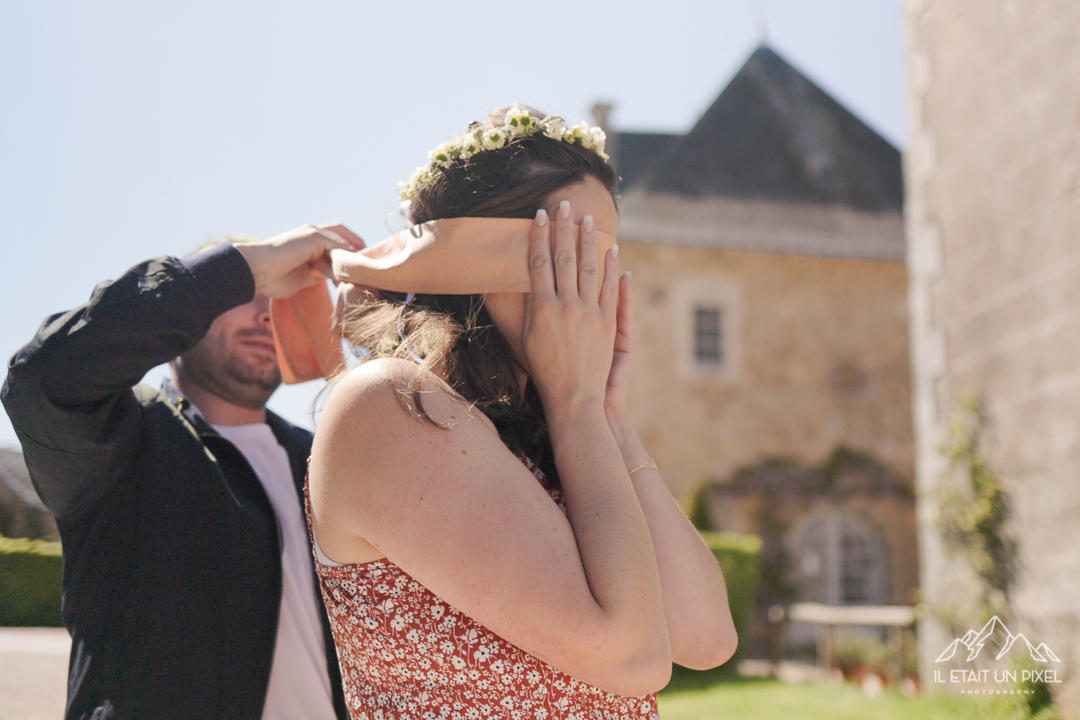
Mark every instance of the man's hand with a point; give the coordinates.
(292, 261)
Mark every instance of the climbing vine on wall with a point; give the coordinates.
(973, 508)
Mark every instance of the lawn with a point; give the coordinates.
(773, 700)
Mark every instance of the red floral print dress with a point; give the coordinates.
(405, 654)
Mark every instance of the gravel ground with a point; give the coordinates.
(33, 672)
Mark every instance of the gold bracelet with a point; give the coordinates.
(650, 463)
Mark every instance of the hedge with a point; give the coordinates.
(740, 559)
(30, 582)
(30, 586)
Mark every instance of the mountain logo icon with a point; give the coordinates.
(996, 634)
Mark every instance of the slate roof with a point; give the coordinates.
(637, 151)
(772, 134)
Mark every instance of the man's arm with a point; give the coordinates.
(68, 392)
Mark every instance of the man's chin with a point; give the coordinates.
(264, 378)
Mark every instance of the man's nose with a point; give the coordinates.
(262, 309)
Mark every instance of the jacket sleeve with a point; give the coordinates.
(69, 391)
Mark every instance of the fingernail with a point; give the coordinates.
(587, 223)
(614, 251)
(541, 217)
(564, 209)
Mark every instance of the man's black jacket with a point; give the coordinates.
(172, 554)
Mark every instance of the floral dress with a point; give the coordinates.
(405, 654)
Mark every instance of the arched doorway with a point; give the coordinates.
(839, 559)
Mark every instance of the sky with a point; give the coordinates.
(131, 130)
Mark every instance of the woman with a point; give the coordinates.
(494, 539)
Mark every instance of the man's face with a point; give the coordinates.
(236, 359)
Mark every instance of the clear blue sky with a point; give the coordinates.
(136, 129)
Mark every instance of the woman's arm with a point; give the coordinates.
(462, 515)
(695, 594)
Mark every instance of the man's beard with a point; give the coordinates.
(266, 377)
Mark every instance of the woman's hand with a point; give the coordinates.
(571, 314)
(618, 382)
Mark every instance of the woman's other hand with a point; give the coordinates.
(618, 382)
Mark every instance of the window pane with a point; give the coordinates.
(708, 349)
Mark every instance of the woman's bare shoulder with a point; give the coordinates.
(367, 388)
(391, 403)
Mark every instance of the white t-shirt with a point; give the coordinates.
(299, 683)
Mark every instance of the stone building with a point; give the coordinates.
(993, 217)
(767, 250)
(21, 511)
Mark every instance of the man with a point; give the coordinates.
(189, 590)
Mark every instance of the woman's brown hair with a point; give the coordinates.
(454, 333)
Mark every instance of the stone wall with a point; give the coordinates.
(816, 357)
(993, 219)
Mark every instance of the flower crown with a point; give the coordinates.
(518, 123)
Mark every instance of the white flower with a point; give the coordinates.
(494, 139)
(518, 121)
(469, 147)
(457, 662)
(554, 127)
(443, 155)
(598, 138)
(576, 133)
(482, 653)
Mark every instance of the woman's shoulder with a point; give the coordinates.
(392, 392)
(387, 378)
(378, 373)
(389, 422)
